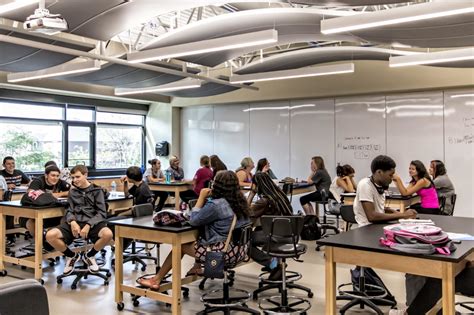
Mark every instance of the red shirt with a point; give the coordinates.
(203, 175)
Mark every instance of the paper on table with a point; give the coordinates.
(460, 236)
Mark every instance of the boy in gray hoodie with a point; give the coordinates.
(85, 218)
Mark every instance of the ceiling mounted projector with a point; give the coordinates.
(44, 22)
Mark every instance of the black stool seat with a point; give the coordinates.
(285, 250)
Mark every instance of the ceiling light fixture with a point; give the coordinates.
(16, 5)
(417, 12)
(61, 70)
(169, 87)
(293, 73)
(205, 46)
(453, 55)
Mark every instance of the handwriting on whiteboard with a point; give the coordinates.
(361, 146)
(466, 139)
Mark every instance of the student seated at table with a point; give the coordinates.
(369, 203)
(214, 215)
(177, 172)
(244, 172)
(422, 185)
(65, 173)
(140, 190)
(216, 165)
(431, 291)
(322, 181)
(272, 201)
(13, 177)
(263, 165)
(343, 182)
(154, 174)
(202, 179)
(85, 218)
(444, 186)
(48, 183)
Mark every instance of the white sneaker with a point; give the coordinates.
(91, 263)
(69, 265)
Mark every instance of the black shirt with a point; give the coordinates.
(39, 183)
(141, 193)
(17, 178)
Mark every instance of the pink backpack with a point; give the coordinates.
(417, 239)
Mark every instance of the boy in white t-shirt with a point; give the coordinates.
(369, 203)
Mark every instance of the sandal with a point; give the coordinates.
(196, 270)
(149, 283)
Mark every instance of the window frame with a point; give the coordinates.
(93, 171)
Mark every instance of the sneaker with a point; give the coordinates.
(69, 265)
(91, 263)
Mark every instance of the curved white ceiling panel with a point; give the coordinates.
(318, 55)
(449, 31)
(293, 26)
(311, 56)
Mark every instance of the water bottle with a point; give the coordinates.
(114, 187)
(168, 177)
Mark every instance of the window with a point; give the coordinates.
(19, 110)
(35, 133)
(114, 118)
(32, 144)
(80, 114)
(119, 146)
(79, 146)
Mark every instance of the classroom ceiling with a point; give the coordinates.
(107, 29)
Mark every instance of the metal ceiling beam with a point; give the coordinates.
(78, 53)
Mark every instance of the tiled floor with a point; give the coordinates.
(92, 297)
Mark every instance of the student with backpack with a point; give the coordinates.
(369, 207)
(85, 218)
(50, 183)
(422, 185)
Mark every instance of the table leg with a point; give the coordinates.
(118, 265)
(330, 281)
(38, 247)
(401, 206)
(448, 289)
(176, 275)
(2, 240)
(176, 199)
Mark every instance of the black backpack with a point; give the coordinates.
(43, 200)
(311, 228)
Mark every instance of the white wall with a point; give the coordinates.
(353, 130)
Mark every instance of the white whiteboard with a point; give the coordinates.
(311, 134)
(197, 137)
(459, 142)
(231, 134)
(360, 132)
(414, 129)
(269, 135)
